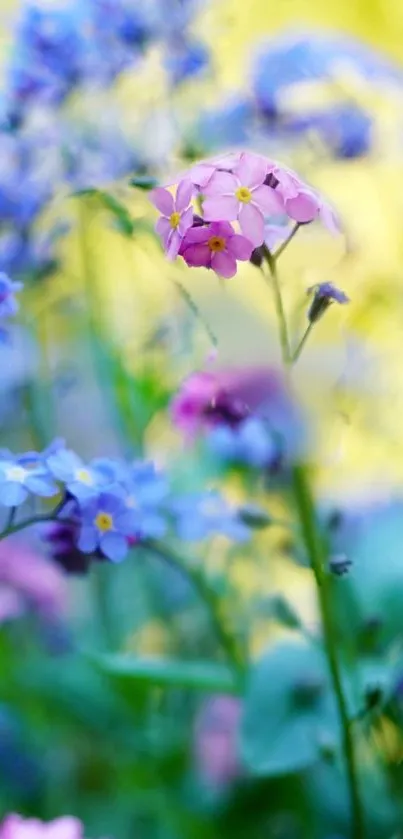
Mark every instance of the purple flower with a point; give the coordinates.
(106, 525)
(177, 215)
(323, 295)
(215, 246)
(242, 194)
(8, 303)
(81, 480)
(21, 475)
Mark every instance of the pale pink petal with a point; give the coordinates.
(289, 184)
(239, 246)
(201, 173)
(220, 209)
(303, 208)
(268, 200)
(67, 827)
(174, 245)
(222, 183)
(221, 228)
(162, 200)
(196, 235)
(251, 169)
(223, 264)
(252, 224)
(197, 256)
(330, 220)
(163, 228)
(186, 221)
(184, 194)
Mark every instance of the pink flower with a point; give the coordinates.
(215, 741)
(243, 194)
(301, 203)
(177, 215)
(215, 246)
(29, 581)
(16, 827)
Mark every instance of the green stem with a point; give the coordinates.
(300, 347)
(315, 550)
(287, 241)
(278, 302)
(211, 602)
(103, 603)
(39, 519)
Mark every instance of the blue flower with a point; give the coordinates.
(21, 475)
(106, 525)
(323, 295)
(185, 59)
(250, 444)
(8, 303)
(81, 480)
(198, 516)
(146, 493)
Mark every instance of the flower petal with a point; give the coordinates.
(251, 169)
(163, 228)
(162, 200)
(222, 183)
(87, 540)
(114, 546)
(184, 194)
(186, 221)
(252, 224)
(224, 208)
(268, 200)
(197, 256)
(12, 494)
(173, 245)
(329, 219)
(224, 264)
(303, 208)
(196, 235)
(240, 247)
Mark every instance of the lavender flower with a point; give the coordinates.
(323, 295)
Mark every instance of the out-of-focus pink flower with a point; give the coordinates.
(29, 581)
(177, 215)
(215, 742)
(16, 827)
(228, 396)
(242, 194)
(215, 246)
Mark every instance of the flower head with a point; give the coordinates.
(324, 295)
(106, 525)
(22, 475)
(215, 246)
(200, 515)
(177, 215)
(81, 480)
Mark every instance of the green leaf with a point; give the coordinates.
(163, 672)
(289, 716)
(144, 182)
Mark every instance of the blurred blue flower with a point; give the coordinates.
(185, 59)
(81, 480)
(8, 289)
(146, 494)
(21, 475)
(197, 516)
(324, 294)
(230, 124)
(295, 59)
(250, 443)
(106, 525)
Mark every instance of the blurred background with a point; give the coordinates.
(101, 99)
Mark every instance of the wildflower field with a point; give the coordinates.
(201, 404)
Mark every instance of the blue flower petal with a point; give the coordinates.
(114, 546)
(88, 539)
(12, 494)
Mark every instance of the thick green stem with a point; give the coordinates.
(315, 550)
(211, 602)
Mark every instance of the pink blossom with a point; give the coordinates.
(302, 203)
(177, 215)
(16, 827)
(243, 194)
(228, 396)
(201, 173)
(29, 581)
(215, 246)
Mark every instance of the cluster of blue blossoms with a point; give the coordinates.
(109, 505)
(8, 302)
(60, 50)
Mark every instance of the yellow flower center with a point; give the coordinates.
(174, 220)
(216, 244)
(243, 194)
(84, 476)
(16, 473)
(104, 522)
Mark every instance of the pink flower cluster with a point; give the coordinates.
(16, 827)
(238, 196)
(29, 581)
